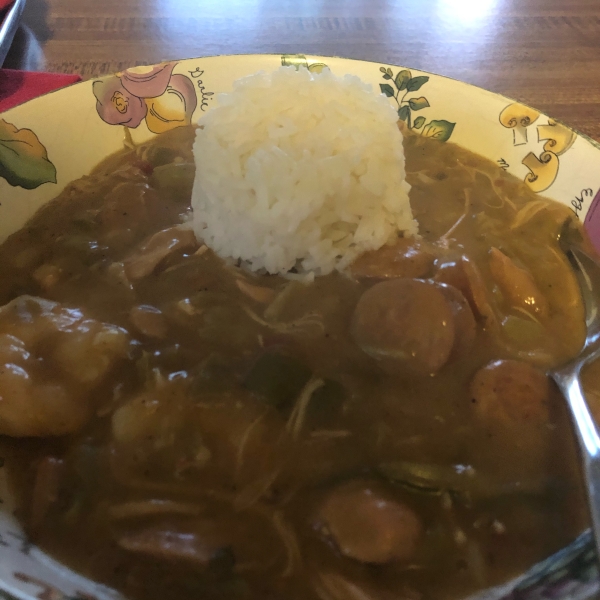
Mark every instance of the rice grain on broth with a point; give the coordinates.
(296, 170)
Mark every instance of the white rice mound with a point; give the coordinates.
(299, 170)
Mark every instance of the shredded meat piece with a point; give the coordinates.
(143, 261)
(260, 294)
(148, 320)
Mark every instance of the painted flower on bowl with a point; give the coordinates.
(174, 107)
(147, 82)
(116, 105)
(153, 93)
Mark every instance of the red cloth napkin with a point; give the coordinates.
(5, 4)
(17, 87)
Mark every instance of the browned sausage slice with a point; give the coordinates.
(407, 257)
(405, 324)
(465, 326)
(511, 400)
(511, 392)
(369, 526)
(168, 545)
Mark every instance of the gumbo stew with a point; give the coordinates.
(179, 428)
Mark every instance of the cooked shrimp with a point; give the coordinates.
(51, 357)
(517, 284)
(464, 275)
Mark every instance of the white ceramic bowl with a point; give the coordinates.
(50, 141)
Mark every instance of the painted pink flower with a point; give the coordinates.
(153, 93)
(117, 106)
(147, 82)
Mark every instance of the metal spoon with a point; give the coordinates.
(567, 377)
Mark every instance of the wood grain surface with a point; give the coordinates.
(542, 52)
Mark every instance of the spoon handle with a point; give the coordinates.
(588, 437)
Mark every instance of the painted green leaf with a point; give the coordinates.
(402, 79)
(419, 122)
(390, 72)
(439, 130)
(404, 113)
(382, 69)
(416, 82)
(387, 89)
(418, 103)
(386, 76)
(23, 160)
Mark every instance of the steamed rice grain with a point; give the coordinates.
(299, 172)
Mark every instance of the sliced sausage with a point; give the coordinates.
(406, 325)
(407, 257)
(367, 525)
(465, 327)
(511, 401)
(211, 542)
(166, 543)
(511, 392)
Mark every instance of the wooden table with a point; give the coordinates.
(542, 52)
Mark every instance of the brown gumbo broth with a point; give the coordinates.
(201, 432)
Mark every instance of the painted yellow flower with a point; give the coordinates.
(164, 100)
(174, 108)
